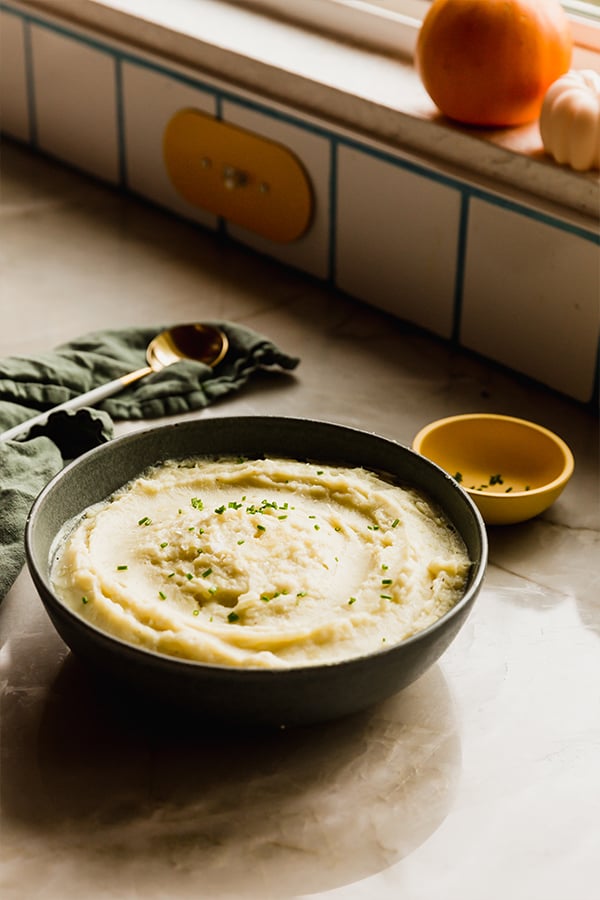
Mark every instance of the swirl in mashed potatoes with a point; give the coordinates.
(261, 563)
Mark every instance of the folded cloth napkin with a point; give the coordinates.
(29, 385)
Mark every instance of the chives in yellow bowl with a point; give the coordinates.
(512, 469)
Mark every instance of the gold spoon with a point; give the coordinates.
(202, 343)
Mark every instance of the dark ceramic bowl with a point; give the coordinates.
(299, 695)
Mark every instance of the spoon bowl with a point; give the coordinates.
(197, 341)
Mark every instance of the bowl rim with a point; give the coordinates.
(477, 568)
(560, 480)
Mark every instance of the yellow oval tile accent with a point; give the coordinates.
(243, 177)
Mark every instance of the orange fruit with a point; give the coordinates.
(490, 62)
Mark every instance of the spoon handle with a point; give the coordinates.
(90, 398)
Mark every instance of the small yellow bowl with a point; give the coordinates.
(512, 469)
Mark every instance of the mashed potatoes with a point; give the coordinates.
(261, 563)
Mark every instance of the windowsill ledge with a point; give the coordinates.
(374, 96)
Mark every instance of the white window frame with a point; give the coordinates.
(391, 26)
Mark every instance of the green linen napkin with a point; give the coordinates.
(29, 385)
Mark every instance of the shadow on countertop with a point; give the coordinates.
(123, 804)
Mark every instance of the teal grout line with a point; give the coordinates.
(595, 399)
(332, 233)
(461, 254)
(221, 220)
(480, 193)
(33, 19)
(536, 215)
(31, 106)
(121, 138)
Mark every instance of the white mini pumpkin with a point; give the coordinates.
(570, 120)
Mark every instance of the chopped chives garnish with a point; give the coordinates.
(395, 523)
(84, 600)
(162, 595)
(197, 503)
(386, 581)
(233, 617)
(206, 573)
(121, 568)
(196, 612)
(145, 520)
(351, 601)
(189, 576)
(386, 596)
(164, 544)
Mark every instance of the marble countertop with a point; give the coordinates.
(479, 780)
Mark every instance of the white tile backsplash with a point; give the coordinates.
(514, 283)
(14, 106)
(74, 86)
(397, 235)
(531, 297)
(150, 100)
(311, 251)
